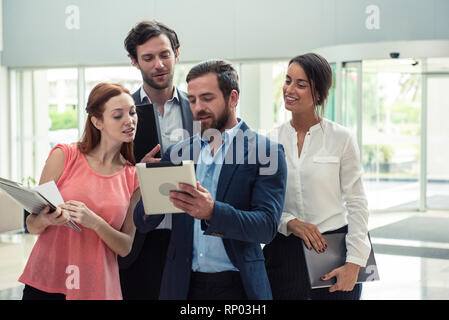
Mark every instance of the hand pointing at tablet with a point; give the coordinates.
(149, 157)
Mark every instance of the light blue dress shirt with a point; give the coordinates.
(209, 254)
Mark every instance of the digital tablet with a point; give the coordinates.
(158, 179)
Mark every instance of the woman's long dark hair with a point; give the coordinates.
(98, 97)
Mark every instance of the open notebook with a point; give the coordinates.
(35, 200)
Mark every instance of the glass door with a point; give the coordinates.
(391, 133)
(351, 100)
(437, 161)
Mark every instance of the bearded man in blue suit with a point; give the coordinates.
(215, 246)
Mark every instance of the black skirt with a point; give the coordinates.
(287, 272)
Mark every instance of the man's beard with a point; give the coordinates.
(218, 123)
(149, 81)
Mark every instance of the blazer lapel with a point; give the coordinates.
(136, 97)
(227, 171)
(187, 116)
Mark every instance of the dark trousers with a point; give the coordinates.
(31, 293)
(142, 280)
(287, 272)
(216, 286)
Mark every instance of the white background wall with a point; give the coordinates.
(84, 32)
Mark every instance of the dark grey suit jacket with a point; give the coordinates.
(187, 123)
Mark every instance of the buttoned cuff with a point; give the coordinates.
(285, 218)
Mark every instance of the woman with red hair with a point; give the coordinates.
(97, 179)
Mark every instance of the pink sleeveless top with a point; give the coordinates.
(79, 264)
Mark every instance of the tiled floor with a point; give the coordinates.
(402, 277)
(408, 277)
(14, 252)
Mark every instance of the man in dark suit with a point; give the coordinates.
(154, 49)
(215, 246)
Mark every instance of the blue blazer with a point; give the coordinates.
(247, 212)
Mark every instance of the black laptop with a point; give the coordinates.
(319, 264)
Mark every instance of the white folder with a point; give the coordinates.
(35, 200)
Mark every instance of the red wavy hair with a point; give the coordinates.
(98, 97)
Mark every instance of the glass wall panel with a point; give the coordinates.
(329, 109)
(4, 125)
(42, 120)
(391, 133)
(280, 114)
(44, 111)
(14, 85)
(350, 95)
(437, 134)
(129, 77)
(62, 105)
(261, 104)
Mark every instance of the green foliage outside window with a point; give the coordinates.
(63, 120)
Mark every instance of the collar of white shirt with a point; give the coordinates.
(143, 94)
(315, 127)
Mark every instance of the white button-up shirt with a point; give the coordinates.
(324, 184)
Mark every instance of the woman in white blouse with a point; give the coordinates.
(324, 189)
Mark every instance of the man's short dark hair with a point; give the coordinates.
(227, 76)
(146, 30)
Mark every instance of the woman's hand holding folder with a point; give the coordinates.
(81, 214)
(346, 277)
(38, 223)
